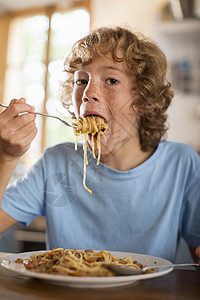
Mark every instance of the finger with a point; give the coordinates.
(25, 130)
(30, 137)
(19, 149)
(197, 251)
(19, 122)
(13, 101)
(14, 109)
(22, 100)
(17, 143)
(11, 128)
(24, 137)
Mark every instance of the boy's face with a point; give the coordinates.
(106, 88)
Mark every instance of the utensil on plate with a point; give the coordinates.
(46, 115)
(123, 270)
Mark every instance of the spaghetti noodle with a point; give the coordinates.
(75, 263)
(96, 126)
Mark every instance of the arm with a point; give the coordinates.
(17, 130)
(6, 170)
(5, 221)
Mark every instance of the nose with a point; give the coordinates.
(91, 92)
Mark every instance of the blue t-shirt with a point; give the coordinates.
(143, 210)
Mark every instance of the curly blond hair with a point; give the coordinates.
(144, 60)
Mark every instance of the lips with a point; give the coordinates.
(93, 113)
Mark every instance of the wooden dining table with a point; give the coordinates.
(179, 284)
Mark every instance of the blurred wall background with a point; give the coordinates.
(139, 15)
(176, 28)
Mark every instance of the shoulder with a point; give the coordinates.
(58, 153)
(180, 153)
(178, 149)
(60, 150)
(64, 152)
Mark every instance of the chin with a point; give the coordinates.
(105, 147)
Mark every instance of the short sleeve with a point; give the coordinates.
(191, 209)
(24, 199)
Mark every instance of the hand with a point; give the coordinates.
(197, 253)
(17, 129)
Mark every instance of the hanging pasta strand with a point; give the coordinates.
(99, 148)
(93, 146)
(93, 125)
(85, 163)
(76, 142)
(94, 130)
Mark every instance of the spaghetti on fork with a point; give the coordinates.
(96, 126)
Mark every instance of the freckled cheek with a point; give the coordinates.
(122, 114)
(116, 105)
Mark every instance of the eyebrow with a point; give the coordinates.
(113, 68)
(105, 68)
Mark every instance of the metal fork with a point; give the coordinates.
(46, 115)
(123, 270)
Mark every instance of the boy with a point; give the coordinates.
(146, 191)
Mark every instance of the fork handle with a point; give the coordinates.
(34, 112)
(3, 105)
(46, 115)
(171, 266)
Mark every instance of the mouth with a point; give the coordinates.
(94, 137)
(95, 114)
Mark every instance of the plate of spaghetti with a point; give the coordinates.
(82, 268)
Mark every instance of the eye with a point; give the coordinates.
(81, 81)
(112, 81)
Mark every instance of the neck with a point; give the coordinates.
(126, 157)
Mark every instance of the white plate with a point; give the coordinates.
(90, 282)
